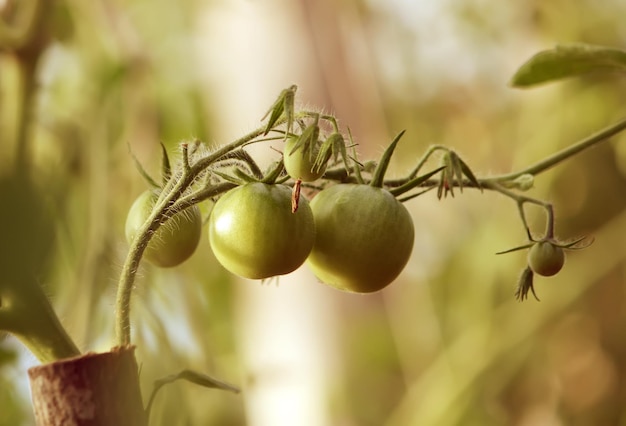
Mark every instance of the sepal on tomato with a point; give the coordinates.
(334, 146)
(525, 284)
(454, 173)
(379, 173)
(284, 104)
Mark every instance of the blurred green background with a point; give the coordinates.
(447, 344)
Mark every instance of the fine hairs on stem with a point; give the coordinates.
(176, 196)
(170, 202)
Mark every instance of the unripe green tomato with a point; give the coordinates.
(545, 258)
(175, 240)
(299, 164)
(254, 234)
(364, 237)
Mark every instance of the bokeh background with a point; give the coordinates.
(447, 343)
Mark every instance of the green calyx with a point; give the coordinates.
(378, 177)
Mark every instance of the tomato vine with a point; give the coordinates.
(316, 144)
(319, 157)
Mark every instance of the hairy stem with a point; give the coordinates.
(425, 158)
(170, 202)
(173, 198)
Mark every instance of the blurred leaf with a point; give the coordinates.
(27, 229)
(200, 380)
(63, 22)
(568, 60)
(193, 377)
(7, 355)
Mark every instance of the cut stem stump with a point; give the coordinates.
(90, 390)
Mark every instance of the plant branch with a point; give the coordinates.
(565, 153)
(521, 200)
(431, 150)
(173, 198)
(169, 203)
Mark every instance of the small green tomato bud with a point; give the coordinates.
(524, 182)
(300, 161)
(546, 258)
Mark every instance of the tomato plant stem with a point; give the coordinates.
(431, 150)
(176, 195)
(171, 201)
(521, 201)
(565, 153)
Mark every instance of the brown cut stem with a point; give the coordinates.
(90, 390)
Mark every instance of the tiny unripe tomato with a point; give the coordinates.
(545, 258)
(364, 237)
(175, 240)
(300, 163)
(254, 234)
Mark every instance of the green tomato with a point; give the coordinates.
(364, 237)
(300, 163)
(175, 240)
(254, 234)
(545, 258)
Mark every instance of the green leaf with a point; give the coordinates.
(415, 182)
(525, 246)
(144, 174)
(381, 168)
(337, 146)
(238, 179)
(410, 197)
(192, 377)
(578, 244)
(283, 104)
(568, 60)
(273, 172)
(457, 171)
(469, 174)
(200, 380)
(446, 182)
(308, 139)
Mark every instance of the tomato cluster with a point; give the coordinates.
(354, 237)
